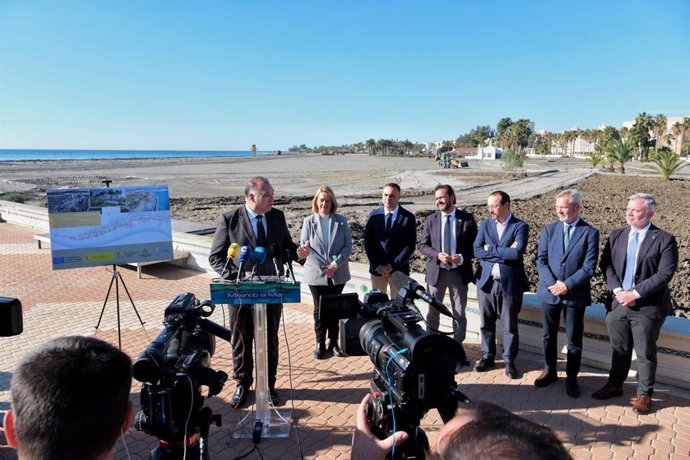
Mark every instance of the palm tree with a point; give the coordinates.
(385, 145)
(667, 161)
(371, 146)
(659, 126)
(407, 145)
(681, 130)
(595, 160)
(621, 152)
(644, 123)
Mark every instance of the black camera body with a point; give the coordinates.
(11, 320)
(172, 369)
(414, 370)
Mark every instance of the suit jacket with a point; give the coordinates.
(431, 245)
(657, 261)
(509, 260)
(235, 227)
(575, 266)
(395, 249)
(325, 252)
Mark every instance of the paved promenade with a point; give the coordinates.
(325, 393)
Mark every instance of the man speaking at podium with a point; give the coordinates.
(255, 224)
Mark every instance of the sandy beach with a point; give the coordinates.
(201, 189)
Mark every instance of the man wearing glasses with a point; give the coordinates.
(501, 280)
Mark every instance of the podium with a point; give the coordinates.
(272, 290)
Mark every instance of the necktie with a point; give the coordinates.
(566, 236)
(389, 222)
(446, 237)
(630, 262)
(260, 232)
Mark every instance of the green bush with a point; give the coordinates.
(15, 197)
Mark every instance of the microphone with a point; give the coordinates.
(288, 258)
(245, 256)
(233, 252)
(274, 252)
(258, 257)
(401, 280)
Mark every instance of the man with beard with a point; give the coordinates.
(501, 280)
(447, 241)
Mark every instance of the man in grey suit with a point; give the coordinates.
(639, 261)
(255, 224)
(501, 280)
(447, 241)
(566, 260)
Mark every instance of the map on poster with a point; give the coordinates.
(108, 226)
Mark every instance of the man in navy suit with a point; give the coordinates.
(566, 260)
(447, 242)
(639, 261)
(501, 280)
(255, 224)
(390, 238)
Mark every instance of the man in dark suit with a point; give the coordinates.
(566, 260)
(447, 241)
(390, 238)
(639, 260)
(501, 280)
(254, 224)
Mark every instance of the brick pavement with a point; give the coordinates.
(325, 393)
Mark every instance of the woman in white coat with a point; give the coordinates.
(326, 269)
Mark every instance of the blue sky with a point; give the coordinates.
(223, 75)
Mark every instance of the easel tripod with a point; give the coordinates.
(117, 279)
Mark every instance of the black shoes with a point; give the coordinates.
(511, 370)
(335, 349)
(572, 388)
(608, 391)
(320, 351)
(546, 378)
(239, 396)
(484, 364)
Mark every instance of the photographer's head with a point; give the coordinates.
(484, 430)
(480, 430)
(70, 400)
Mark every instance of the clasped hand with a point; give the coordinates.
(626, 298)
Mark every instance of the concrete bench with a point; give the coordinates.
(179, 258)
(43, 240)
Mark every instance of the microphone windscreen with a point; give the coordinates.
(400, 280)
(245, 253)
(233, 251)
(274, 250)
(259, 255)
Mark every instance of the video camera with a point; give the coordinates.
(414, 370)
(172, 369)
(11, 321)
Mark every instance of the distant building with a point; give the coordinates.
(488, 152)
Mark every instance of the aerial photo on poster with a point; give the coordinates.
(109, 226)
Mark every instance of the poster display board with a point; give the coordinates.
(109, 226)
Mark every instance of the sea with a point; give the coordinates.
(49, 154)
